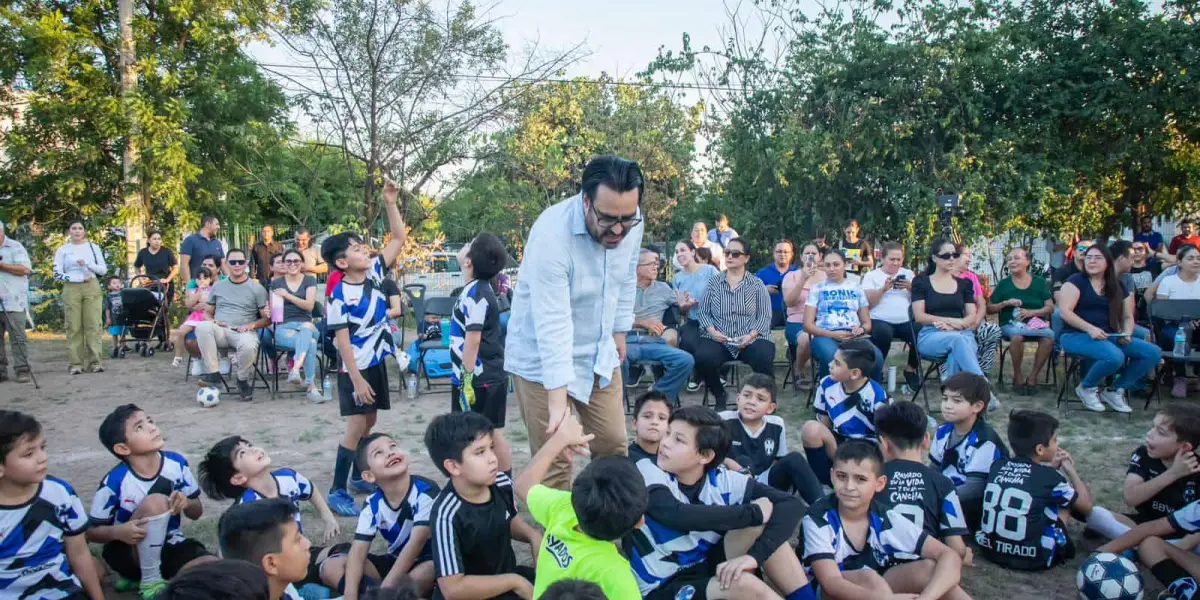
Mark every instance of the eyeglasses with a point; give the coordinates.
(648, 264)
(736, 253)
(236, 263)
(783, 252)
(1093, 257)
(607, 222)
(293, 261)
(948, 255)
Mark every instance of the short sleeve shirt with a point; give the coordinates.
(196, 247)
(1175, 288)
(289, 484)
(891, 538)
(1033, 297)
(362, 309)
(157, 264)
(237, 303)
(567, 553)
(852, 413)
(894, 305)
(396, 523)
(1020, 528)
(1180, 493)
(937, 304)
(653, 300)
(925, 497)
(291, 312)
(473, 539)
(837, 305)
(756, 450)
(770, 275)
(33, 560)
(972, 456)
(122, 491)
(477, 309)
(1187, 519)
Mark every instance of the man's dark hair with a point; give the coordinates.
(1029, 428)
(488, 256)
(859, 451)
(711, 433)
(360, 453)
(449, 435)
(651, 396)
(617, 174)
(745, 246)
(609, 498)
(112, 428)
(302, 230)
(573, 589)
(233, 251)
(974, 388)
(1183, 418)
(1120, 248)
(859, 354)
(13, 427)
(206, 219)
(790, 244)
(903, 423)
(335, 247)
(761, 381)
(722, 217)
(153, 232)
(216, 468)
(251, 530)
(224, 579)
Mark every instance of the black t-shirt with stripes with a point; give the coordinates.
(473, 539)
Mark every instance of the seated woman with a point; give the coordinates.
(987, 334)
(1182, 285)
(1024, 304)
(735, 317)
(1097, 313)
(796, 287)
(296, 332)
(836, 311)
(887, 289)
(944, 308)
(690, 282)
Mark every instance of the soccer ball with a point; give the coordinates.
(1107, 576)
(208, 397)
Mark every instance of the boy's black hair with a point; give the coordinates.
(859, 354)
(488, 256)
(1029, 428)
(651, 396)
(609, 498)
(224, 579)
(112, 428)
(859, 451)
(711, 432)
(404, 591)
(14, 426)
(110, 278)
(216, 468)
(1184, 419)
(449, 434)
(573, 589)
(761, 381)
(617, 174)
(251, 530)
(1119, 248)
(974, 388)
(902, 423)
(360, 453)
(334, 247)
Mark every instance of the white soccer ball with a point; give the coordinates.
(208, 397)
(1107, 576)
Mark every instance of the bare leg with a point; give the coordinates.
(815, 434)
(1016, 351)
(1044, 349)
(503, 449)
(911, 578)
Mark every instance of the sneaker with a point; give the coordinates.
(724, 383)
(314, 395)
(1090, 398)
(313, 591)
(246, 389)
(993, 403)
(294, 377)
(635, 376)
(359, 486)
(693, 386)
(177, 361)
(121, 584)
(97, 369)
(912, 380)
(209, 380)
(76, 370)
(1116, 400)
(24, 376)
(1179, 388)
(340, 502)
(150, 591)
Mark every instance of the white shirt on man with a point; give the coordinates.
(14, 289)
(893, 306)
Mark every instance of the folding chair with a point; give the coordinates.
(317, 314)
(1051, 374)
(441, 306)
(930, 371)
(735, 378)
(1184, 311)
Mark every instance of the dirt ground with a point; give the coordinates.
(305, 437)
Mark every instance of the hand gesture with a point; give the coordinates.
(1185, 464)
(332, 530)
(1067, 463)
(559, 410)
(942, 326)
(80, 262)
(719, 337)
(363, 393)
(177, 501)
(279, 292)
(857, 331)
(903, 284)
(731, 570)
(1013, 302)
(619, 340)
(1059, 456)
(570, 434)
(244, 328)
(390, 190)
(772, 289)
(656, 328)
(133, 531)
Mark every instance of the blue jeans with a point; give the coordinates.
(300, 338)
(1108, 357)
(823, 349)
(958, 348)
(677, 364)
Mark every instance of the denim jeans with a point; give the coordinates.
(676, 363)
(823, 349)
(1108, 357)
(958, 347)
(301, 338)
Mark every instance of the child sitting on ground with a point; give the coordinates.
(857, 549)
(136, 511)
(914, 490)
(475, 516)
(113, 318)
(1163, 472)
(759, 445)
(583, 526)
(36, 506)
(267, 534)
(965, 446)
(845, 406)
(236, 470)
(702, 537)
(399, 511)
(651, 412)
(195, 301)
(1027, 499)
(1172, 565)
(224, 579)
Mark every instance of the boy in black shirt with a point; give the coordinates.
(965, 446)
(1164, 473)
(474, 517)
(760, 442)
(1173, 566)
(914, 490)
(651, 412)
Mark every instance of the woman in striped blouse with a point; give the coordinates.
(735, 320)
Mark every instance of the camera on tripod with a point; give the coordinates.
(948, 208)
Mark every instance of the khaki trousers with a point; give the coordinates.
(83, 311)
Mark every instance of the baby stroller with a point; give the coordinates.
(142, 313)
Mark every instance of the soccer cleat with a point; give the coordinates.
(340, 502)
(1116, 400)
(246, 389)
(150, 591)
(359, 486)
(121, 584)
(1090, 398)
(693, 386)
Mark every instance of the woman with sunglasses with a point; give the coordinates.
(735, 320)
(1024, 305)
(837, 311)
(943, 306)
(1097, 312)
(796, 287)
(1182, 285)
(297, 332)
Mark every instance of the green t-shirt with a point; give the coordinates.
(1033, 297)
(568, 553)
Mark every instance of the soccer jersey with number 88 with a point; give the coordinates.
(1020, 527)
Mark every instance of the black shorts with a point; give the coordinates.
(376, 377)
(122, 558)
(692, 582)
(317, 556)
(491, 401)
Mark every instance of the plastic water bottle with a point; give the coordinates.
(445, 332)
(411, 386)
(327, 387)
(891, 380)
(1181, 345)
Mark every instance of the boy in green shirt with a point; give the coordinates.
(582, 526)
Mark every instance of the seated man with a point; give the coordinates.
(650, 340)
(237, 308)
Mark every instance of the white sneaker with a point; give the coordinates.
(1090, 398)
(314, 395)
(993, 403)
(294, 376)
(177, 361)
(1116, 399)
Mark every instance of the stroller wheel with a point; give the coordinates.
(149, 352)
(168, 347)
(122, 353)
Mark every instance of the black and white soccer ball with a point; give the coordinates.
(1107, 576)
(208, 397)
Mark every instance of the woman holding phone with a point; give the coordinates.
(887, 289)
(796, 286)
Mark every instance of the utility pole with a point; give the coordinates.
(135, 208)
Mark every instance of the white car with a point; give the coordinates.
(442, 274)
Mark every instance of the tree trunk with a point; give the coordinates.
(135, 207)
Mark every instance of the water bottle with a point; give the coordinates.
(1181, 345)
(445, 332)
(411, 385)
(327, 387)
(891, 380)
